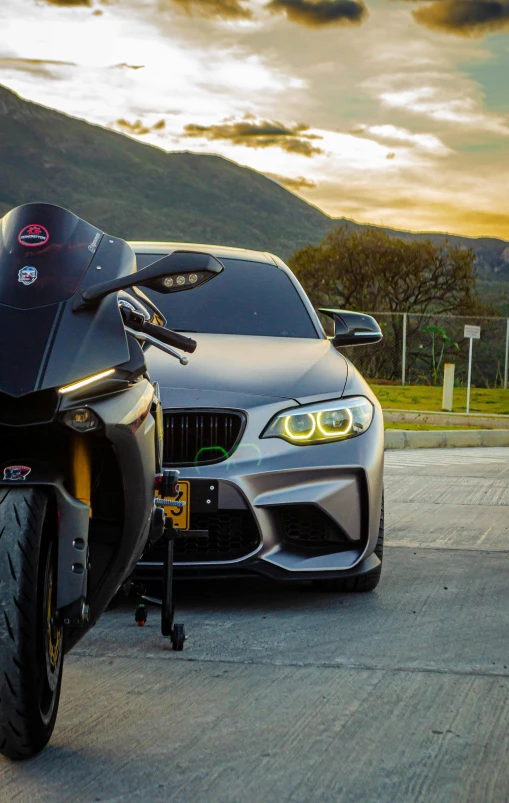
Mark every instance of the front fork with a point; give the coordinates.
(74, 552)
(81, 469)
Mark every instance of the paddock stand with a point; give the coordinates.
(164, 529)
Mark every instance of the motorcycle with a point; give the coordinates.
(80, 445)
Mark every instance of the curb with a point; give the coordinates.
(496, 421)
(443, 439)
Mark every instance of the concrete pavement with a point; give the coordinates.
(285, 694)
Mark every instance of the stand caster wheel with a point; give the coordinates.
(178, 637)
(141, 615)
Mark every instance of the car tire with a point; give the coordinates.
(363, 583)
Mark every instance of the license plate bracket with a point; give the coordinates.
(205, 496)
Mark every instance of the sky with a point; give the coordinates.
(392, 112)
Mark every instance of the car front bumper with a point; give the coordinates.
(271, 482)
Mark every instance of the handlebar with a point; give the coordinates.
(135, 320)
(170, 337)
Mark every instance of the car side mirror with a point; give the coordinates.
(353, 328)
(181, 270)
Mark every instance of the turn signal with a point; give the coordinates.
(88, 381)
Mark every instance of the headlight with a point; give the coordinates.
(322, 423)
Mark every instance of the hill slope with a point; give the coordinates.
(137, 191)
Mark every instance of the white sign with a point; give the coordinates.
(472, 331)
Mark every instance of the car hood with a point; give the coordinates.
(277, 367)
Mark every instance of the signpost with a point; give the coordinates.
(473, 333)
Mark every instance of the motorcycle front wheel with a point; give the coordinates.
(31, 641)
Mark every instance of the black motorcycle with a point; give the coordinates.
(80, 445)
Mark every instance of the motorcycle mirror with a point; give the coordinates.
(181, 270)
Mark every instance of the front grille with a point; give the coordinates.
(199, 437)
(227, 535)
(309, 527)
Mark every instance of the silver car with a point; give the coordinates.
(278, 438)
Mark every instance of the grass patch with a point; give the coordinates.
(423, 397)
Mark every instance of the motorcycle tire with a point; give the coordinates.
(31, 642)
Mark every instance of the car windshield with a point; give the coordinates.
(248, 298)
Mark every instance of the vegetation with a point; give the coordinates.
(370, 271)
(423, 397)
(440, 341)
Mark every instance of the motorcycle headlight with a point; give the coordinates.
(322, 423)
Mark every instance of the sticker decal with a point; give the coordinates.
(33, 236)
(93, 245)
(27, 275)
(16, 473)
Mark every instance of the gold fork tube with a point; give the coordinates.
(81, 469)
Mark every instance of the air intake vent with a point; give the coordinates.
(34, 408)
(225, 535)
(308, 527)
(199, 437)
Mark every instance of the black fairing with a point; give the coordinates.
(44, 253)
(47, 256)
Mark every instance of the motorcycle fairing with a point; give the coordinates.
(73, 519)
(44, 253)
(50, 346)
(53, 346)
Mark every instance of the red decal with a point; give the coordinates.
(33, 235)
(16, 473)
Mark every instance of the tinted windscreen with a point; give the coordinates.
(44, 253)
(248, 298)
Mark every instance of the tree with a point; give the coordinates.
(370, 271)
(440, 342)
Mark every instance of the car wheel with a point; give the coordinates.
(364, 582)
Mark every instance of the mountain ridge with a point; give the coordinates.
(139, 191)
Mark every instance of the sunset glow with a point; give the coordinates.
(387, 112)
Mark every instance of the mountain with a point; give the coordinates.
(137, 191)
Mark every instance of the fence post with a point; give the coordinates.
(506, 354)
(403, 356)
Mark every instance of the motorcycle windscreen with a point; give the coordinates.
(45, 252)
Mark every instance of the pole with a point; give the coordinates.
(447, 393)
(403, 356)
(469, 374)
(506, 354)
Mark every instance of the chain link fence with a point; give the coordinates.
(415, 348)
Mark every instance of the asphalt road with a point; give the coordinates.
(283, 694)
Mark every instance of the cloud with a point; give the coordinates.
(294, 184)
(469, 18)
(69, 3)
(399, 135)
(263, 134)
(40, 67)
(444, 103)
(138, 128)
(125, 66)
(216, 9)
(320, 13)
